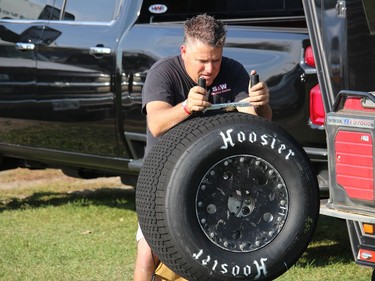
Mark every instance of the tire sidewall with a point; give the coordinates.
(270, 144)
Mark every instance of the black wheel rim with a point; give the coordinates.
(242, 203)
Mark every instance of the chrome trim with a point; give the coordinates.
(25, 46)
(316, 151)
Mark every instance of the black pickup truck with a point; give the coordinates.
(71, 75)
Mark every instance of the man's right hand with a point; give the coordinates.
(197, 99)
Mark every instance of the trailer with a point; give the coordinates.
(342, 36)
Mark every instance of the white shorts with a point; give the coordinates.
(139, 233)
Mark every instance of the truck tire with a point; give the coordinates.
(227, 196)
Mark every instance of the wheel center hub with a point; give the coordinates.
(241, 203)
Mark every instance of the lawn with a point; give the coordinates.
(58, 228)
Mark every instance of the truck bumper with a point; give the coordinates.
(361, 229)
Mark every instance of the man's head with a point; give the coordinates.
(202, 48)
(205, 29)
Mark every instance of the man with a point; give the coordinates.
(171, 94)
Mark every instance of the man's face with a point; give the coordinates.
(201, 60)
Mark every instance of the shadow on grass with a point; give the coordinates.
(330, 244)
(111, 197)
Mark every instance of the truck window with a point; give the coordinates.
(92, 10)
(172, 10)
(68, 10)
(21, 10)
(369, 6)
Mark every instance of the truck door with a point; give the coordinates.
(343, 39)
(21, 27)
(327, 21)
(76, 85)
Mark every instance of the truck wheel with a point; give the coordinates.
(227, 196)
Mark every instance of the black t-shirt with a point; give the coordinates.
(168, 81)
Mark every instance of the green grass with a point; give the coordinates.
(328, 257)
(58, 228)
(76, 234)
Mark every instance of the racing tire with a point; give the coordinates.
(227, 196)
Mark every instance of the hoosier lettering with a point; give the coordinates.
(230, 139)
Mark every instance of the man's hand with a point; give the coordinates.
(161, 116)
(259, 95)
(197, 99)
(259, 98)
